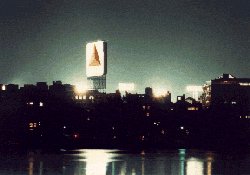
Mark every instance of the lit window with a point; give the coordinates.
(32, 125)
(182, 127)
(147, 114)
(162, 132)
(80, 97)
(41, 104)
(143, 107)
(192, 109)
(76, 97)
(244, 84)
(84, 97)
(148, 107)
(30, 103)
(91, 97)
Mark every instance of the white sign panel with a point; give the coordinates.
(96, 59)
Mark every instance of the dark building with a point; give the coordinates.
(149, 91)
(12, 87)
(42, 86)
(228, 89)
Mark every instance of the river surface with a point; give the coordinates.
(120, 162)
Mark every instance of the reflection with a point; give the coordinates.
(209, 164)
(142, 162)
(97, 161)
(113, 162)
(31, 163)
(41, 168)
(182, 153)
(133, 172)
(142, 167)
(194, 166)
(123, 169)
(113, 168)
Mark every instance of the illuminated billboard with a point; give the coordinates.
(96, 59)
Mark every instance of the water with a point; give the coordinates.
(118, 162)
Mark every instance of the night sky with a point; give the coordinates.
(158, 43)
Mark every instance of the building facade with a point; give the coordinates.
(228, 89)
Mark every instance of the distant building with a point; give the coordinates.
(205, 98)
(228, 89)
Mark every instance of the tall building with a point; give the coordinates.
(228, 89)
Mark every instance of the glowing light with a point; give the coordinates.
(32, 125)
(3, 87)
(192, 109)
(97, 160)
(194, 167)
(209, 164)
(244, 84)
(126, 87)
(41, 104)
(30, 103)
(159, 92)
(195, 90)
(80, 88)
(192, 88)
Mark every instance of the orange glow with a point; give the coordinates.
(80, 88)
(160, 92)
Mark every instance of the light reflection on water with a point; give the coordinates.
(117, 162)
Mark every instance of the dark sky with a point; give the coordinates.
(164, 43)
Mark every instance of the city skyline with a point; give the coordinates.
(161, 44)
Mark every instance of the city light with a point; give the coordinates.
(96, 160)
(129, 87)
(3, 87)
(41, 104)
(194, 167)
(159, 92)
(244, 84)
(195, 90)
(80, 88)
